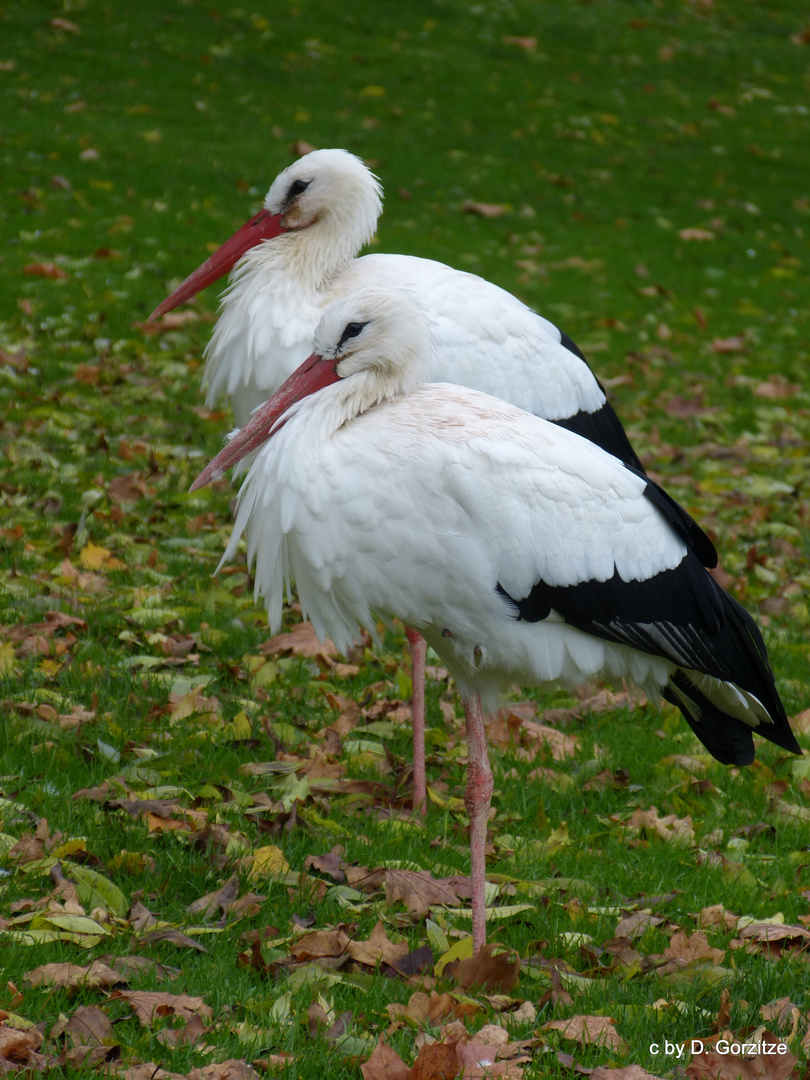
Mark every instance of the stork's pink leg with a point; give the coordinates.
(418, 657)
(477, 799)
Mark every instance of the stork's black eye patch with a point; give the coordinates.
(296, 187)
(352, 330)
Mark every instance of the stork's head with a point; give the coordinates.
(369, 346)
(329, 191)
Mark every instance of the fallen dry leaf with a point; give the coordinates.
(16, 1046)
(672, 829)
(495, 972)
(320, 943)
(234, 1069)
(46, 270)
(385, 1064)
(221, 900)
(145, 1003)
(696, 234)
(378, 948)
(685, 948)
(418, 890)
(73, 975)
(589, 1031)
(301, 641)
(716, 1062)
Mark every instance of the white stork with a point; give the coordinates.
(297, 255)
(523, 553)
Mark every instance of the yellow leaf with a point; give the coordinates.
(69, 848)
(462, 950)
(7, 659)
(92, 557)
(268, 861)
(239, 727)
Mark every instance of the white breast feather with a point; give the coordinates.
(405, 512)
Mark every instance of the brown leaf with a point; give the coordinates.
(84, 1056)
(433, 1009)
(174, 320)
(137, 965)
(320, 943)
(419, 891)
(145, 1003)
(385, 1064)
(17, 1045)
(633, 926)
(493, 972)
(721, 1064)
(436, 1061)
(779, 1010)
(418, 962)
(687, 948)
(47, 270)
(717, 915)
(720, 1022)
(589, 1031)
(696, 234)
(234, 1069)
(65, 974)
(777, 388)
(527, 43)
(148, 1070)
(735, 344)
(221, 900)
(482, 209)
(775, 940)
(88, 1026)
(672, 829)
(332, 864)
(171, 937)
(128, 488)
(187, 1035)
(300, 641)
(378, 948)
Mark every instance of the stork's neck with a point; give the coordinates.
(307, 260)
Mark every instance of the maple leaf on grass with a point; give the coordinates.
(378, 948)
(418, 890)
(687, 948)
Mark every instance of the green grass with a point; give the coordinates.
(133, 141)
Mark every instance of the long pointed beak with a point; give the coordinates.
(262, 226)
(313, 375)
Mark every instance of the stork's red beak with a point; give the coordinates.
(262, 226)
(313, 375)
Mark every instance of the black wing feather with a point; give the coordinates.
(684, 616)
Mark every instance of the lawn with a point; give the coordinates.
(217, 821)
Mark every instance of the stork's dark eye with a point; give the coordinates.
(352, 330)
(296, 187)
